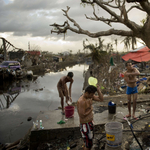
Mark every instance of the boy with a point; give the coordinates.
(85, 111)
(63, 90)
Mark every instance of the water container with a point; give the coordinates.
(113, 134)
(112, 107)
(69, 111)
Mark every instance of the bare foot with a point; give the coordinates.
(127, 116)
(134, 117)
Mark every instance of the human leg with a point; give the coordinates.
(61, 95)
(129, 105)
(134, 104)
(66, 94)
(62, 105)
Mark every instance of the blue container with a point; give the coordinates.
(111, 108)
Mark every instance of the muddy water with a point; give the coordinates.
(28, 97)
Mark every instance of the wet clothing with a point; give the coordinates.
(85, 110)
(86, 130)
(131, 90)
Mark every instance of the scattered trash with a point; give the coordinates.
(29, 119)
(121, 75)
(41, 127)
(135, 145)
(73, 145)
(61, 122)
(121, 89)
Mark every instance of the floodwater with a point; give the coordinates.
(26, 98)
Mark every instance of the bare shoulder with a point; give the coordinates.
(63, 78)
(81, 100)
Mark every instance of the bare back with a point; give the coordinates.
(63, 80)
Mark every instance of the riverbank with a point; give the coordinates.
(46, 94)
(7, 74)
(32, 97)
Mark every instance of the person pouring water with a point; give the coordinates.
(63, 90)
(85, 112)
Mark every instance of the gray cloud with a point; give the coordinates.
(34, 17)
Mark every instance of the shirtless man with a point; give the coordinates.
(85, 112)
(63, 90)
(130, 78)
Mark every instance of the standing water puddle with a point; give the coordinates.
(23, 99)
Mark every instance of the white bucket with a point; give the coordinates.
(114, 134)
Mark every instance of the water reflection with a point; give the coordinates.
(28, 98)
(10, 91)
(41, 88)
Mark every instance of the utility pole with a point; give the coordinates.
(28, 46)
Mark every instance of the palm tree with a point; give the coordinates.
(101, 45)
(97, 54)
(128, 41)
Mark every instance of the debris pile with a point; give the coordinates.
(112, 82)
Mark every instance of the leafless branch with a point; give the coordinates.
(107, 21)
(118, 16)
(79, 30)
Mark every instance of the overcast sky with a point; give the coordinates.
(24, 21)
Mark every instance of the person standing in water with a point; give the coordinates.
(63, 90)
(130, 78)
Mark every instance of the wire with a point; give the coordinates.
(130, 125)
(136, 138)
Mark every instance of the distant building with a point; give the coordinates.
(16, 55)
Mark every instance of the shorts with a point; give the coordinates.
(86, 130)
(61, 91)
(131, 90)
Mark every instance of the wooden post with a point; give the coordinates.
(4, 48)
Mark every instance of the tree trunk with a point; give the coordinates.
(146, 32)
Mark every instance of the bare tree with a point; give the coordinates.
(135, 30)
